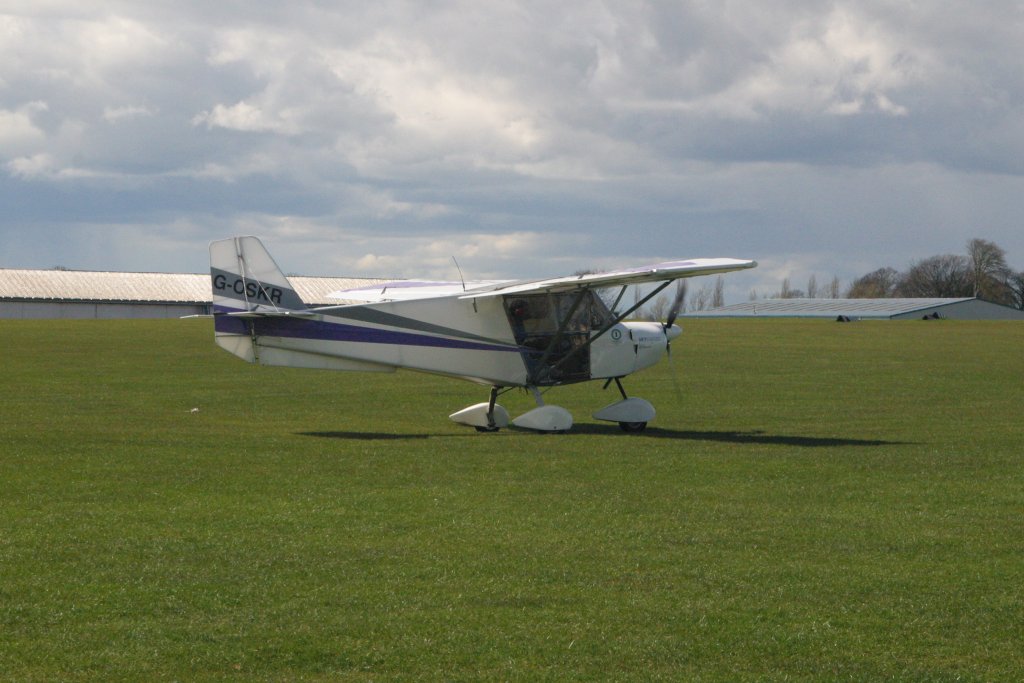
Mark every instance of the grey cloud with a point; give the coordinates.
(822, 136)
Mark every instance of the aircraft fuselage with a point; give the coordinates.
(500, 341)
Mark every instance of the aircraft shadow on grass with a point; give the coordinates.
(724, 436)
(742, 437)
(366, 436)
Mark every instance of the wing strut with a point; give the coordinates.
(622, 293)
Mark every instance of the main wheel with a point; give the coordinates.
(487, 429)
(633, 427)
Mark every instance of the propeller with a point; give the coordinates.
(673, 313)
(677, 305)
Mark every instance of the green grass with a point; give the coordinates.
(814, 502)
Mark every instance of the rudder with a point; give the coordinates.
(245, 277)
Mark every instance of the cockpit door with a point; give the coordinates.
(553, 330)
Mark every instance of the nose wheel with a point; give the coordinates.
(632, 414)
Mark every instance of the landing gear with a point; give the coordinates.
(544, 418)
(490, 417)
(487, 429)
(486, 417)
(632, 414)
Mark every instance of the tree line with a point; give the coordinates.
(982, 272)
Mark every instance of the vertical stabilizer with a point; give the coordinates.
(245, 278)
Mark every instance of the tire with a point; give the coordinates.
(632, 427)
(487, 429)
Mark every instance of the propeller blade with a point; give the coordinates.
(677, 304)
(675, 385)
(672, 371)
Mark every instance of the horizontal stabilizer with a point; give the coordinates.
(264, 312)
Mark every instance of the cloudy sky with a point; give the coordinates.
(384, 138)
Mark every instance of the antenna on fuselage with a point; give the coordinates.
(460, 273)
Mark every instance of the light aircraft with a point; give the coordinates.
(531, 334)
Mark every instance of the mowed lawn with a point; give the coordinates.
(815, 501)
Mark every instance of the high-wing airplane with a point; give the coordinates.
(533, 334)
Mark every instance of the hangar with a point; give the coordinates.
(59, 293)
(90, 294)
(866, 309)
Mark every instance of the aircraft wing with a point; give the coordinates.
(407, 290)
(659, 272)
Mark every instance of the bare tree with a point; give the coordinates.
(877, 284)
(948, 275)
(700, 299)
(812, 287)
(787, 291)
(752, 296)
(989, 271)
(832, 289)
(718, 297)
(658, 310)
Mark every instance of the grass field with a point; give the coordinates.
(814, 502)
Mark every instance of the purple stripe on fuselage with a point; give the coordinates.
(299, 328)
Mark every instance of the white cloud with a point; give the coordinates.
(839, 63)
(18, 132)
(381, 204)
(240, 116)
(116, 114)
(35, 166)
(430, 99)
(480, 255)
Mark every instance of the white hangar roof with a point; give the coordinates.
(81, 285)
(864, 309)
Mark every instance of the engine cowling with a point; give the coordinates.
(629, 347)
(650, 341)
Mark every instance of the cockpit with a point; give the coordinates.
(553, 332)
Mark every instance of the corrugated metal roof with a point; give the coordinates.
(81, 285)
(828, 308)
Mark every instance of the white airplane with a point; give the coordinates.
(530, 334)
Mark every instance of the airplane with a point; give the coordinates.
(508, 334)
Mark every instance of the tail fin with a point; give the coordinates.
(259, 317)
(245, 278)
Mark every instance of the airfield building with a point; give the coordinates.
(866, 309)
(89, 294)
